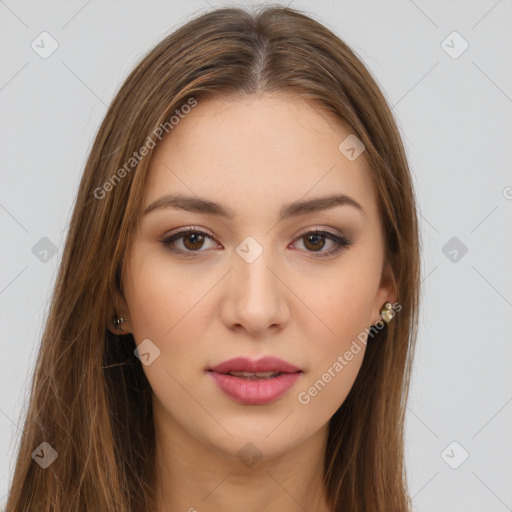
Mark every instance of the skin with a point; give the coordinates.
(252, 155)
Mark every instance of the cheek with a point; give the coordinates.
(335, 359)
(166, 305)
(158, 296)
(344, 305)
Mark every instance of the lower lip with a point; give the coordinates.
(255, 391)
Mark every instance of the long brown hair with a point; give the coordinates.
(90, 399)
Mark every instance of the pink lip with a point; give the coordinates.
(265, 364)
(255, 391)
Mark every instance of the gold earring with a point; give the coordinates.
(117, 321)
(386, 312)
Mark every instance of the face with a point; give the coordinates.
(264, 280)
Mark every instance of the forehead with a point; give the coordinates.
(257, 151)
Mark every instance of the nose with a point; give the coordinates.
(256, 298)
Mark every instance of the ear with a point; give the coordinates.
(117, 307)
(387, 291)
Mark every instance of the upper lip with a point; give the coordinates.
(265, 364)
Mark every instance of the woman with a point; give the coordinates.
(235, 313)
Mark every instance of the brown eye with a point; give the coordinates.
(315, 241)
(192, 240)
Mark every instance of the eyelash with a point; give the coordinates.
(342, 242)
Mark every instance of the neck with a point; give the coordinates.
(195, 477)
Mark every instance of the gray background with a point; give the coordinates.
(455, 118)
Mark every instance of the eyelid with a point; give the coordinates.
(186, 229)
(304, 231)
(340, 240)
(321, 229)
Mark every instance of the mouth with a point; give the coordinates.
(255, 382)
(265, 365)
(254, 375)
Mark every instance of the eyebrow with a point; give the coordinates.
(204, 206)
